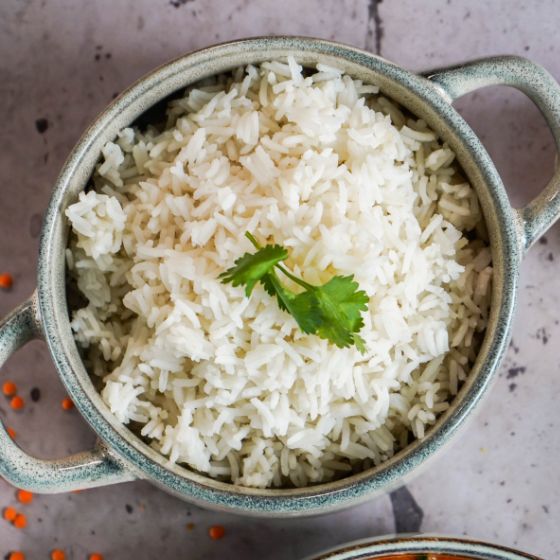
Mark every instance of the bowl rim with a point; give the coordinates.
(145, 462)
(380, 547)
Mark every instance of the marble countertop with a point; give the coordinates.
(63, 61)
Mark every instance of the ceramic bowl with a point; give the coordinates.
(393, 547)
(120, 455)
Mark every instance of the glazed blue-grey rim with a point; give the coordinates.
(123, 456)
(369, 549)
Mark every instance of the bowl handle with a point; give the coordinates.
(534, 219)
(83, 470)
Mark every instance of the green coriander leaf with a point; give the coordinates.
(270, 286)
(250, 268)
(360, 343)
(333, 311)
(274, 287)
(343, 294)
(306, 311)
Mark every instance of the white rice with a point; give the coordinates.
(343, 178)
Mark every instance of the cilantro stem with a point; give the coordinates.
(295, 279)
(252, 239)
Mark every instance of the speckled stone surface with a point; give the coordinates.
(63, 62)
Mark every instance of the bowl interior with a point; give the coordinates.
(415, 94)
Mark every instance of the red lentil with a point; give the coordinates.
(17, 403)
(24, 496)
(216, 532)
(9, 388)
(6, 280)
(67, 404)
(9, 514)
(20, 522)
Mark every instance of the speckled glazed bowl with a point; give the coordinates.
(402, 545)
(120, 455)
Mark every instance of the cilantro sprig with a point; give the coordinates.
(331, 311)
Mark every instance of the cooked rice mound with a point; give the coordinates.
(332, 170)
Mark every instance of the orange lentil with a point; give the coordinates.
(16, 555)
(17, 403)
(58, 554)
(20, 522)
(9, 514)
(67, 404)
(95, 556)
(216, 532)
(6, 280)
(11, 432)
(24, 496)
(9, 388)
